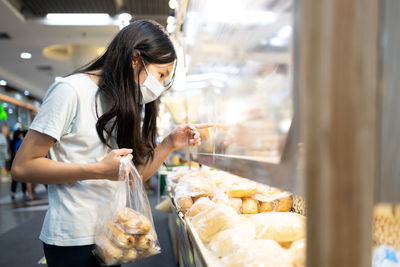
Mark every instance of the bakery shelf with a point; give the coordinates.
(192, 252)
(202, 255)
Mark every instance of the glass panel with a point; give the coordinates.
(238, 60)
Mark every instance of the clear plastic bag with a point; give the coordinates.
(213, 220)
(125, 229)
(279, 226)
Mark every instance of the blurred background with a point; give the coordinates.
(305, 95)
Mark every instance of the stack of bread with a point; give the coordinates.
(243, 195)
(128, 237)
(244, 223)
(386, 225)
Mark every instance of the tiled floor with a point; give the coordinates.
(20, 223)
(14, 213)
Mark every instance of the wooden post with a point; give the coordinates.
(338, 93)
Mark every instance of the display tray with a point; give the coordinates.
(202, 255)
(192, 251)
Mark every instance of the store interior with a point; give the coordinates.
(301, 165)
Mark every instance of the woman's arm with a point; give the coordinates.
(31, 165)
(182, 136)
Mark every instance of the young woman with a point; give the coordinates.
(87, 121)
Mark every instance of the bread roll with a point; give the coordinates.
(284, 204)
(236, 204)
(223, 198)
(195, 186)
(126, 214)
(133, 222)
(214, 220)
(259, 253)
(200, 205)
(129, 255)
(279, 226)
(243, 189)
(145, 241)
(202, 187)
(267, 206)
(229, 241)
(249, 206)
(118, 237)
(107, 251)
(298, 253)
(184, 203)
(285, 244)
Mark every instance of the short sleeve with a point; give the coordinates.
(57, 111)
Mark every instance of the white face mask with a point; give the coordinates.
(151, 88)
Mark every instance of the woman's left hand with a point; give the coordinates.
(186, 135)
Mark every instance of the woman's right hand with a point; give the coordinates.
(108, 168)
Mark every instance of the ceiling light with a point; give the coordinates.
(276, 41)
(171, 20)
(171, 28)
(10, 111)
(123, 20)
(5, 105)
(172, 4)
(26, 93)
(25, 55)
(285, 32)
(3, 82)
(78, 19)
(125, 16)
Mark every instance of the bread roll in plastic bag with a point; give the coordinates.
(279, 226)
(222, 197)
(298, 253)
(125, 229)
(196, 186)
(202, 204)
(229, 241)
(214, 220)
(259, 253)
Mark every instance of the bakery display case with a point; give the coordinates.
(238, 69)
(301, 118)
(238, 74)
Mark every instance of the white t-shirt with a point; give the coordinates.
(68, 114)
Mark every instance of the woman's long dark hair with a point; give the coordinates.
(117, 86)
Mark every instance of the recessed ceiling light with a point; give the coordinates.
(172, 4)
(125, 16)
(276, 41)
(26, 92)
(171, 20)
(78, 19)
(285, 32)
(25, 55)
(3, 82)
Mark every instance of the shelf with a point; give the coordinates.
(203, 257)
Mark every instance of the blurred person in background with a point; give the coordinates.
(15, 143)
(87, 122)
(4, 155)
(30, 187)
